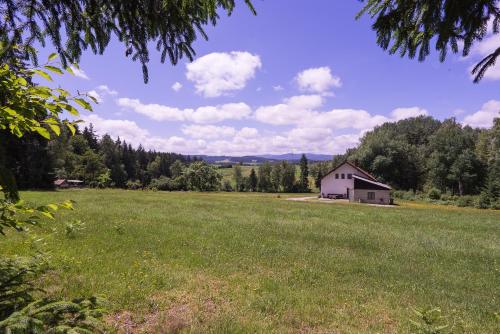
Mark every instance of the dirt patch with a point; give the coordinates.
(122, 322)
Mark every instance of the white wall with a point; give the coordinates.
(381, 196)
(330, 185)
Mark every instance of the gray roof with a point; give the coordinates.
(371, 181)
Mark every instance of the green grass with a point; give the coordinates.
(229, 262)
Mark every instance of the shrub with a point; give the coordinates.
(134, 185)
(405, 195)
(465, 200)
(226, 186)
(434, 194)
(162, 183)
(496, 204)
(483, 201)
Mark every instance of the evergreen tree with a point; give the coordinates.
(253, 180)
(409, 27)
(238, 178)
(304, 174)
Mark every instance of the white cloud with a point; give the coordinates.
(277, 88)
(205, 114)
(218, 73)
(215, 114)
(302, 111)
(209, 139)
(95, 95)
(208, 131)
(125, 129)
(317, 80)
(248, 132)
(402, 113)
(484, 48)
(292, 111)
(106, 90)
(79, 73)
(484, 117)
(176, 86)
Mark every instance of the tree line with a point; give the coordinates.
(276, 177)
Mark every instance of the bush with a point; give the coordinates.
(134, 185)
(465, 200)
(405, 195)
(483, 201)
(434, 194)
(162, 183)
(226, 186)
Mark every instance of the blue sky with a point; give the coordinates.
(298, 77)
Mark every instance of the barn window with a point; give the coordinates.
(349, 176)
(343, 176)
(337, 176)
(371, 195)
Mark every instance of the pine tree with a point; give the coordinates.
(238, 178)
(304, 174)
(409, 27)
(253, 180)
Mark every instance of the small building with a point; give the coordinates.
(64, 183)
(347, 181)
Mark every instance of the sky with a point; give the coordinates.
(299, 77)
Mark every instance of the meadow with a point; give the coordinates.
(257, 263)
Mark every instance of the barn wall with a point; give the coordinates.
(381, 196)
(330, 185)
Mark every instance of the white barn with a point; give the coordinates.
(351, 182)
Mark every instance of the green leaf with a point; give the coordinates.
(54, 69)
(43, 74)
(69, 70)
(22, 81)
(9, 111)
(42, 132)
(53, 207)
(71, 128)
(63, 92)
(83, 103)
(55, 128)
(52, 56)
(70, 108)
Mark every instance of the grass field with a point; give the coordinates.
(246, 263)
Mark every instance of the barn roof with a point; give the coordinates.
(379, 184)
(58, 182)
(368, 175)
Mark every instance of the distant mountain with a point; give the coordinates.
(229, 159)
(297, 156)
(262, 158)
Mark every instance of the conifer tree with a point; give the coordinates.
(304, 174)
(409, 27)
(253, 180)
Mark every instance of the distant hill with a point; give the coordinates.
(296, 156)
(262, 158)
